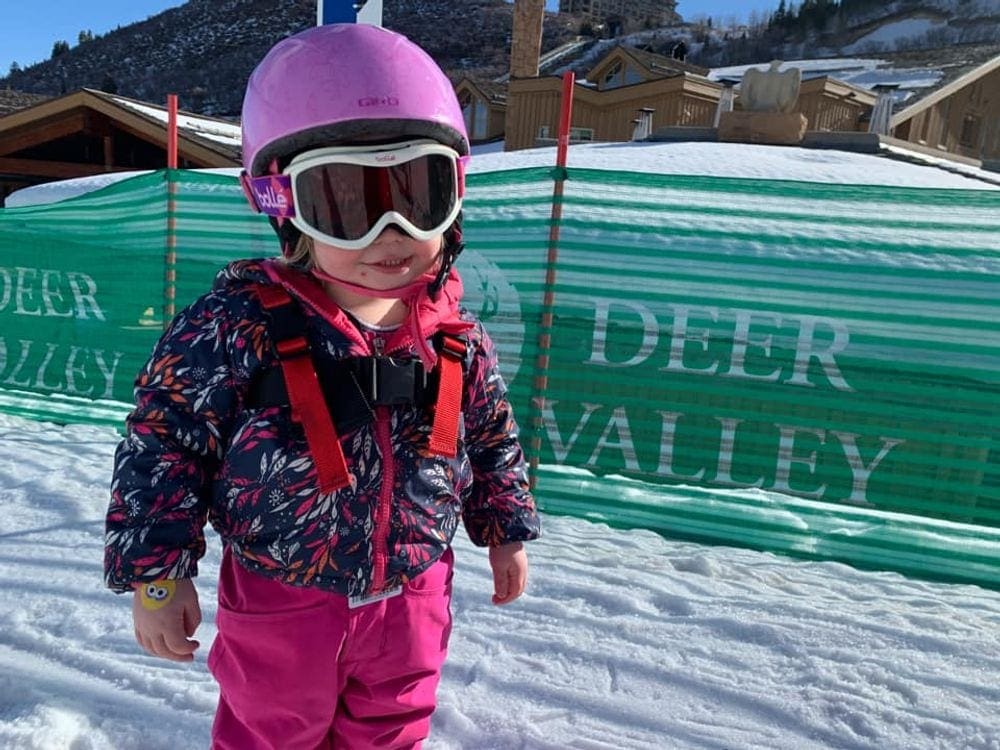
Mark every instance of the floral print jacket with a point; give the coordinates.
(195, 450)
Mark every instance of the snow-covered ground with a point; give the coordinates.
(709, 159)
(624, 639)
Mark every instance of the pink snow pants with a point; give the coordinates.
(299, 670)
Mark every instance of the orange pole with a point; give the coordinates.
(541, 379)
(171, 131)
(565, 120)
(170, 261)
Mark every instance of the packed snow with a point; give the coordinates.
(710, 159)
(623, 640)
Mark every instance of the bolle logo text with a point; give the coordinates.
(376, 101)
(270, 198)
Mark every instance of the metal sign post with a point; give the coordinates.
(349, 11)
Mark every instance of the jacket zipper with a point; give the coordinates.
(380, 534)
(383, 438)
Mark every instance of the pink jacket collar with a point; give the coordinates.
(425, 318)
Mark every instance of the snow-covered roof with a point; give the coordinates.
(914, 74)
(866, 73)
(218, 140)
(220, 131)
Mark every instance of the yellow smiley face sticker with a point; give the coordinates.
(157, 594)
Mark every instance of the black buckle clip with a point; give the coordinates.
(392, 382)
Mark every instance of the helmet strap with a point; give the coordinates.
(288, 234)
(453, 247)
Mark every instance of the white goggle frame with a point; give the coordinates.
(374, 156)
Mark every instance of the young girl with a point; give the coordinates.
(333, 414)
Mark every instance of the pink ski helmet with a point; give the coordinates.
(344, 83)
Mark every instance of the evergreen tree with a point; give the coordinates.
(14, 67)
(825, 10)
(60, 48)
(109, 85)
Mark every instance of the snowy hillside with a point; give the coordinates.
(624, 641)
(932, 23)
(204, 50)
(855, 27)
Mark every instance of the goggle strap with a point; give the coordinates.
(247, 192)
(270, 194)
(460, 177)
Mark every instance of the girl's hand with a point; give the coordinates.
(510, 571)
(165, 615)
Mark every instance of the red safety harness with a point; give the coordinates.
(318, 400)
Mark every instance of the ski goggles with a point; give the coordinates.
(347, 195)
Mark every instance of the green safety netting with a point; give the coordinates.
(805, 368)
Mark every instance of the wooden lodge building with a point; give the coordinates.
(90, 132)
(957, 118)
(627, 94)
(961, 116)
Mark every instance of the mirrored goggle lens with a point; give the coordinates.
(346, 200)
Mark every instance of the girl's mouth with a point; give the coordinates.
(392, 265)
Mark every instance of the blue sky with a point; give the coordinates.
(724, 9)
(31, 27)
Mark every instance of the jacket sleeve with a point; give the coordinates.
(161, 484)
(499, 508)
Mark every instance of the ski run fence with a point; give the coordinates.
(809, 369)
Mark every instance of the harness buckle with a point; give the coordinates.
(387, 381)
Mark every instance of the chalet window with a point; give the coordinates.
(971, 126)
(977, 93)
(925, 126)
(480, 117)
(475, 114)
(575, 134)
(613, 78)
(465, 101)
(632, 76)
(944, 111)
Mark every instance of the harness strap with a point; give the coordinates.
(353, 387)
(448, 409)
(304, 392)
